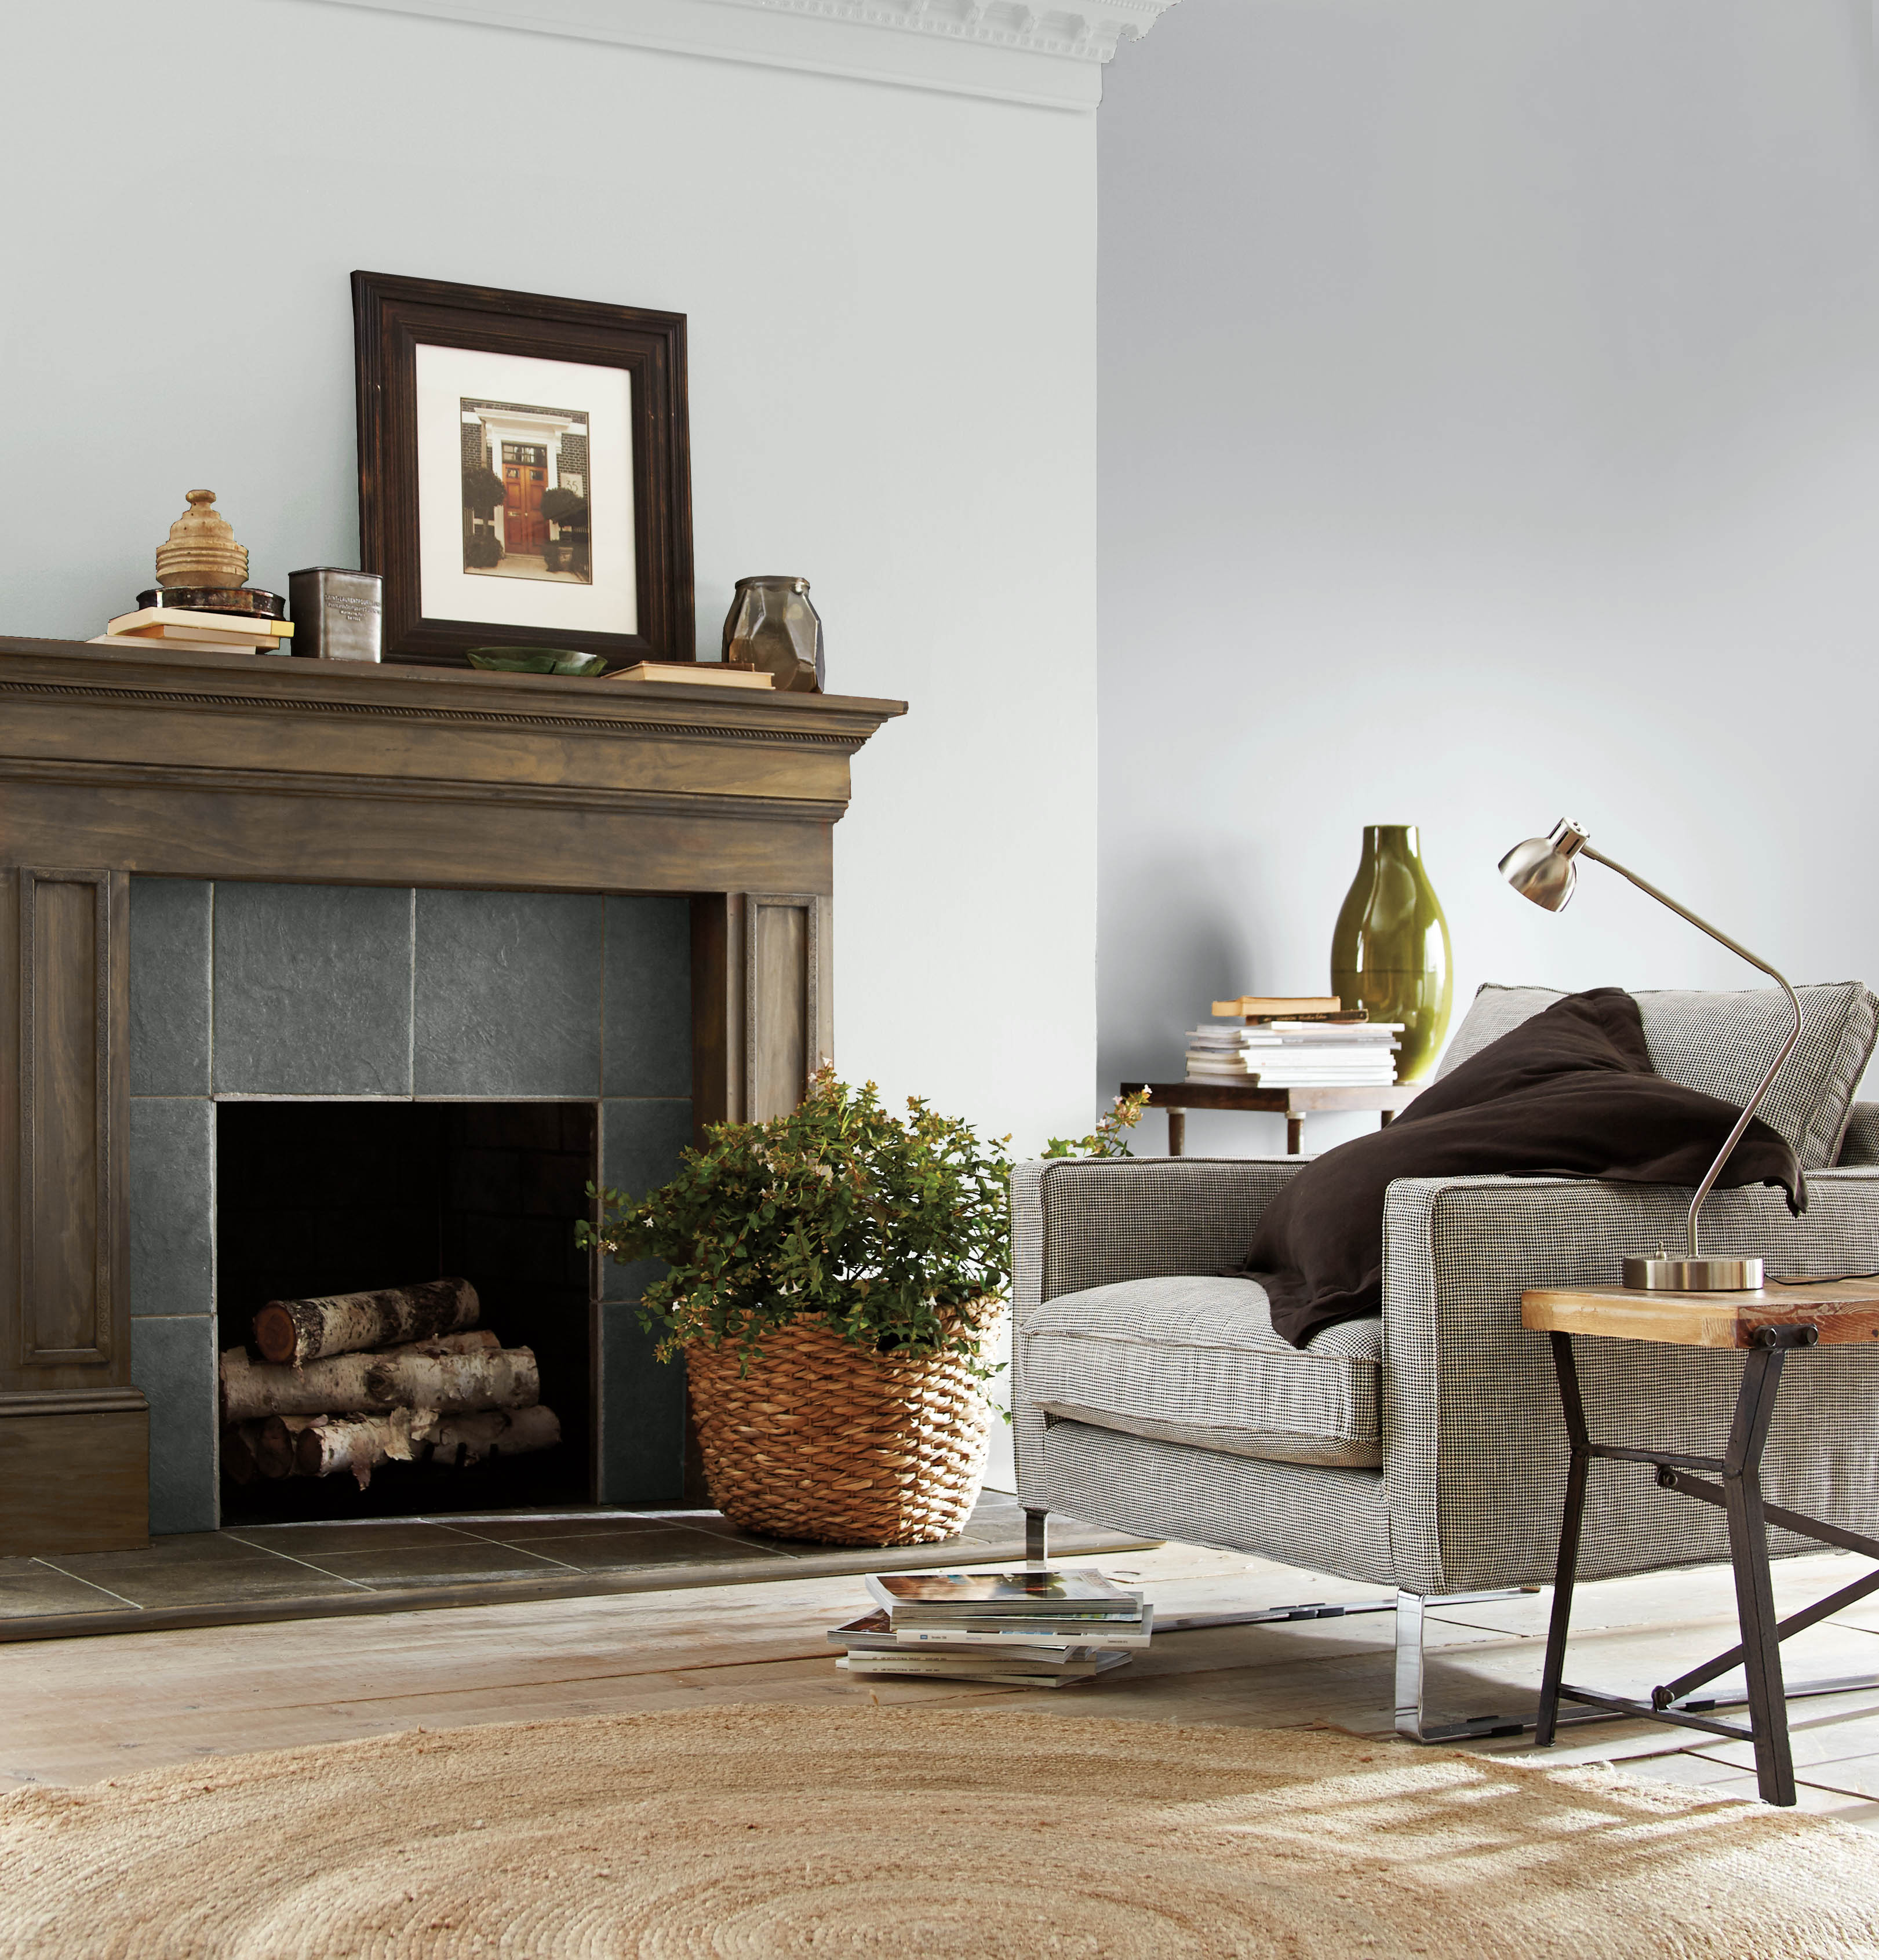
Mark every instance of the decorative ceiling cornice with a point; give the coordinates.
(1088, 32)
(1050, 55)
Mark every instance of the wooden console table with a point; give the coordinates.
(1294, 1105)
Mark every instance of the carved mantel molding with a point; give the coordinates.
(1048, 55)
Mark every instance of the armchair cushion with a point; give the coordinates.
(1571, 1090)
(1720, 1043)
(1195, 1360)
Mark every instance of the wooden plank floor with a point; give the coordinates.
(78, 1711)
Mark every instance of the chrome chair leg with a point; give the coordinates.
(1415, 1718)
(1036, 1536)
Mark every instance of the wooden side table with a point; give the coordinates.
(1294, 1105)
(1765, 1324)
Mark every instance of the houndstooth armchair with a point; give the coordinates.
(1424, 1452)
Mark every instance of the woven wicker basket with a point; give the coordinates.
(840, 1444)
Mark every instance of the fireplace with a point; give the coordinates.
(338, 1088)
(238, 892)
(318, 1197)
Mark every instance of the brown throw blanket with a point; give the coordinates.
(1571, 1092)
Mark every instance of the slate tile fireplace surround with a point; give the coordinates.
(267, 1003)
(227, 882)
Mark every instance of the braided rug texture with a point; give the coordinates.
(859, 1834)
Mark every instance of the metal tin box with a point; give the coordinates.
(336, 614)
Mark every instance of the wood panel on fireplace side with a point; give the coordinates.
(237, 767)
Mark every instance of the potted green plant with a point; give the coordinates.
(566, 510)
(482, 493)
(834, 1277)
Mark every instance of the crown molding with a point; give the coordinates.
(1050, 56)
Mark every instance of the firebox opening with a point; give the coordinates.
(318, 1197)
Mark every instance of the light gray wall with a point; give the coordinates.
(890, 293)
(1489, 433)
(890, 298)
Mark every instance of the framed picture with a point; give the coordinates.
(524, 471)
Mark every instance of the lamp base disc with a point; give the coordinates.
(1693, 1275)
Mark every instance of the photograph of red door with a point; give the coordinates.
(524, 477)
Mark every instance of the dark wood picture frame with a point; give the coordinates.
(391, 317)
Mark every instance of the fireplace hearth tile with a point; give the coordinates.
(312, 990)
(465, 1562)
(172, 1183)
(173, 1362)
(315, 1541)
(169, 986)
(648, 997)
(29, 1587)
(716, 1524)
(508, 994)
(540, 1533)
(673, 1545)
(200, 1569)
(233, 1577)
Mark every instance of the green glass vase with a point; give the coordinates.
(1390, 953)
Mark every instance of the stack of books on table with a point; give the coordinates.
(1033, 1627)
(204, 632)
(1293, 1054)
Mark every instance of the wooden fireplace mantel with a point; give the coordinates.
(158, 762)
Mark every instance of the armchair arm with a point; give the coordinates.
(1080, 1222)
(1474, 1444)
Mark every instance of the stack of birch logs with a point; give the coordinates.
(352, 1380)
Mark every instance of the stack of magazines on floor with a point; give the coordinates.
(1325, 1047)
(1030, 1628)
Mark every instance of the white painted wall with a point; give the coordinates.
(1490, 433)
(891, 299)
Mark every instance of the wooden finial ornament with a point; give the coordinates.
(202, 549)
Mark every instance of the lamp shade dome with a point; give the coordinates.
(1539, 869)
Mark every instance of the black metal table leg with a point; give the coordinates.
(1571, 1518)
(1738, 1492)
(1754, 1585)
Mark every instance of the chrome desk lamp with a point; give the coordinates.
(1542, 869)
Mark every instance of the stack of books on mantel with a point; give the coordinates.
(202, 632)
(1033, 1627)
(1307, 1042)
(698, 673)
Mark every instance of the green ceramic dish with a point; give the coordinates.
(537, 660)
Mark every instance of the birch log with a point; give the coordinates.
(238, 1440)
(336, 1386)
(359, 1443)
(275, 1443)
(300, 1331)
(503, 1378)
(469, 1439)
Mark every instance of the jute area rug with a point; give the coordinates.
(752, 1832)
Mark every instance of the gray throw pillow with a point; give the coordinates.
(1722, 1042)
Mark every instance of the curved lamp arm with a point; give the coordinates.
(1742, 952)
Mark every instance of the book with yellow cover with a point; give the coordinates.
(192, 643)
(172, 621)
(706, 673)
(1276, 1006)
